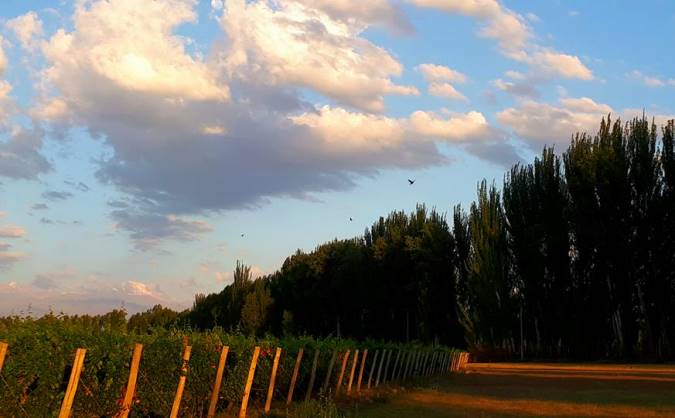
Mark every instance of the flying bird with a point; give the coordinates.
(411, 182)
(350, 219)
(242, 235)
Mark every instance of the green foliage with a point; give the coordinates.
(36, 371)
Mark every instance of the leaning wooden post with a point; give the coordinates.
(273, 378)
(131, 385)
(379, 369)
(395, 368)
(312, 375)
(418, 363)
(408, 359)
(75, 372)
(219, 380)
(3, 353)
(401, 366)
(386, 367)
(372, 368)
(249, 383)
(351, 375)
(329, 372)
(432, 361)
(363, 366)
(342, 372)
(294, 378)
(181, 382)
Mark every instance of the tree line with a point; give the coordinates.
(572, 256)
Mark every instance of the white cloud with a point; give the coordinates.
(542, 123)
(297, 45)
(145, 57)
(347, 128)
(585, 104)
(435, 73)
(3, 59)
(458, 127)
(513, 36)
(445, 90)
(7, 255)
(148, 230)
(93, 295)
(371, 12)
(520, 88)
(11, 231)
(26, 27)
(508, 28)
(554, 63)
(650, 81)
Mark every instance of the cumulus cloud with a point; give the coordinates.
(517, 88)
(192, 135)
(39, 206)
(508, 28)
(26, 28)
(11, 231)
(7, 256)
(94, 295)
(445, 90)
(147, 230)
(514, 37)
(542, 123)
(54, 195)
(437, 73)
(372, 12)
(550, 62)
(181, 152)
(20, 156)
(297, 45)
(439, 78)
(650, 81)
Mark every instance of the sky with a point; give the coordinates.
(146, 146)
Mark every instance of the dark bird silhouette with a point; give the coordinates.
(350, 219)
(411, 182)
(242, 235)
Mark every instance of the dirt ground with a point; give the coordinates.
(537, 390)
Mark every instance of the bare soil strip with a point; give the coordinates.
(539, 390)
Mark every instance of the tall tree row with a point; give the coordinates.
(574, 257)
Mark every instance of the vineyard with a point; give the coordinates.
(47, 366)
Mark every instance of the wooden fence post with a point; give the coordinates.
(3, 353)
(372, 368)
(329, 372)
(219, 380)
(351, 375)
(363, 366)
(432, 361)
(342, 372)
(396, 362)
(131, 385)
(386, 367)
(401, 366)
(312, 375)
(249, 382)
(408, 359)
(181, 382)
(273, 378)
(72, 383)
(294, 378)
(379, 369)
(416, 364)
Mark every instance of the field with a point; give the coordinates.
(529, 390)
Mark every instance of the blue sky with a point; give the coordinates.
(140, 140)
